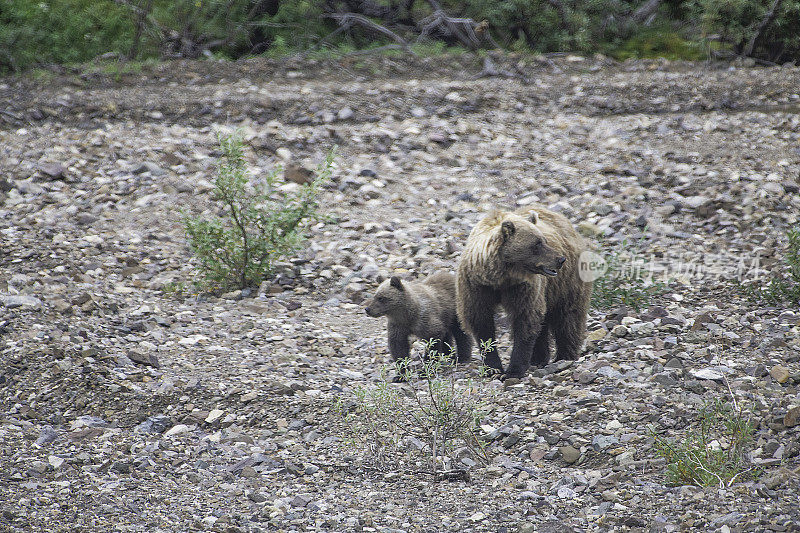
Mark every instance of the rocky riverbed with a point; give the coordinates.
(126, 405)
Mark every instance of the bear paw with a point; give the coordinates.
(512, 374)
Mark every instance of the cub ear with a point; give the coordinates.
(507, 229)
(396, 282)
(534, 217)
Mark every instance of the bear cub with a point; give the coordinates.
(425, 309)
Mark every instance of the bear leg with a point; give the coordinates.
(485, 333)
(569, 330)
(399, 346)
(525, 334)
(541, 349)
(463, 343)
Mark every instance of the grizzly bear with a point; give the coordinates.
(527, 262)
(426, 309)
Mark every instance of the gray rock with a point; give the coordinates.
(301, 500)
(345, 113)
(13, 301)
(46, 435)
(569, 454)
(665, 379)
(154, 424)
(601, 442)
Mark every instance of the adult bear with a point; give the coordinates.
(526, 261)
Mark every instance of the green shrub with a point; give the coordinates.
(713, 452)
(425, 420)
(626, 280)
(263, 222)
(782, 286)
(735, 21)
(61, 31)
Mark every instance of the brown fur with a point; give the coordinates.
(426, 309)
(526, 262)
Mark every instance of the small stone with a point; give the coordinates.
(257, 497)
(214, 415)
(178, 429)
(46, 435)
(120, 467)
(792, 417)
(707, 373)
(154, 424)
(14, 301)
(39, 467)
(146, 359)
(596, 335)
(569, 454)
(345, 113)
(301, 500)
(601, 442)
(298, 174)
(619, 330)
(54, 171)
(56, 462)
(665, 379)
(779, 373)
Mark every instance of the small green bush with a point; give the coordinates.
(713, 452)
(429, 409)
(782, 286)
(625, 282)
(263, 222)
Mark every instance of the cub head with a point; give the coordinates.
(388, 298)
(523, 247)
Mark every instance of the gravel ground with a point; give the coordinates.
(125, 406)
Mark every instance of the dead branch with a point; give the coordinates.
(490, 70)
(463, 29)
(645, 11)
(349, 19)
(765, 22)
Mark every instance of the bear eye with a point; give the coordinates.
(381, 299)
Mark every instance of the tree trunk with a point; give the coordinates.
(765, 22)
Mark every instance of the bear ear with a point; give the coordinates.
(396, 282)
(534, 217)
(507, 229)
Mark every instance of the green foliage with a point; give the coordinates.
(714, 451)
(658, 43)
(68, 31)
(61, 31)
(782, 286)
(626, 281)
(263, 222)
(736, 20)
(425, 421)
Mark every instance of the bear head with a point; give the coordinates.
(389, 299)
(524, 248)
